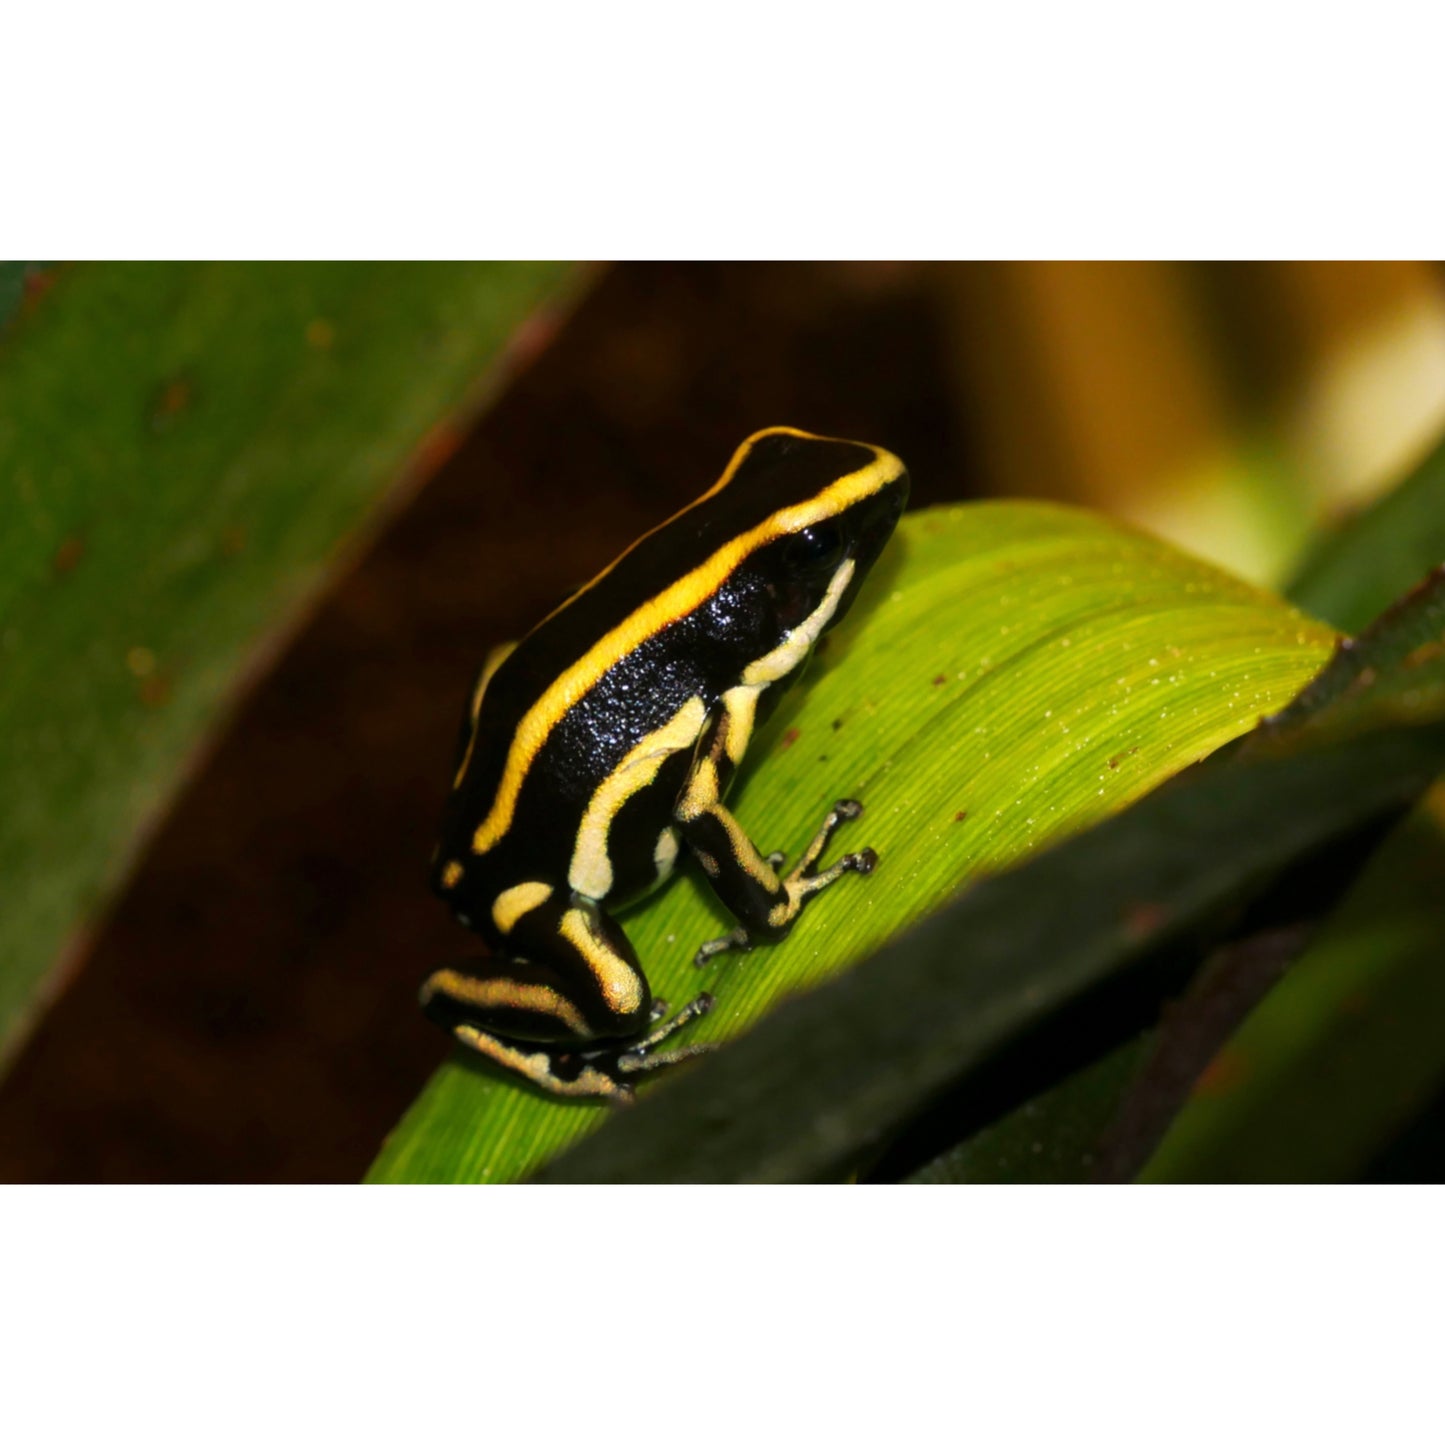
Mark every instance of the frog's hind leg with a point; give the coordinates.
(564, 1024)
(567, 1075)
(518, 1015)
(606, 947)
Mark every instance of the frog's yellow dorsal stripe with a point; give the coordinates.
(672, 603)
(728, 473)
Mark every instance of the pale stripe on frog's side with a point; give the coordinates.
(682, 597)
(590, 873)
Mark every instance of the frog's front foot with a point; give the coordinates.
(793, 889)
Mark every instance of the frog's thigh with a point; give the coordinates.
(570, 976)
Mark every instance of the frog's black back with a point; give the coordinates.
(683, 642)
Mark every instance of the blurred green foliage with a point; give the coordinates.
(183, 449)
(1341, 1054)
(1347, 1049)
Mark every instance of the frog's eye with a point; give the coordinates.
(818, 548)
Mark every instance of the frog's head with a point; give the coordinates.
(828, 543)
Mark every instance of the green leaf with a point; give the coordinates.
(1050, 1139)
(1346, 1047)
(182, 450)
(1336, 1060)
(1022, 672)
(1356, 572)
(826, 1078)
(1384, 931)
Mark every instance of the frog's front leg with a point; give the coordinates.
(765, 901)
(565, 1006)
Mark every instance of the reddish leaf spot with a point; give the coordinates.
(959, 816)
(67, 555)
(37, 283)
(155, 690)
(320, 334)
(170, 402)
(176, 396)
(939, 680)
(790, 737)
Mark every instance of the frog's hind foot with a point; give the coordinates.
(564, 1074)
(640, 1058)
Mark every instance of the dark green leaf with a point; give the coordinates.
(1052, 1138)
(1336, 1059)
(182, 450)
(1278, 1072)
(1333, 1062)
(1359, 570)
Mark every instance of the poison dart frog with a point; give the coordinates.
(605, 740)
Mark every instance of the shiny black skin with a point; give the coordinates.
(700, 653)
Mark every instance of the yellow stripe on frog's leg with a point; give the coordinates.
(543, 1068)
(585, 1068)
(745, 882)
(495, 989)
(611, 964)
(539, 985)
(766, 913)
(565, 974)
